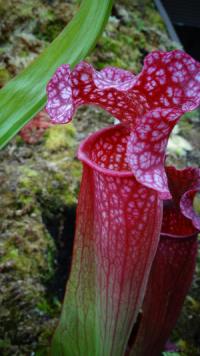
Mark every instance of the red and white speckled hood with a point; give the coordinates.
(149, 103)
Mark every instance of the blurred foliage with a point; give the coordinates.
(171, 354)
(27, 27)
(29, 88)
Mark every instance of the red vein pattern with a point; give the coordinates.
(124, 180)
(149, 103)
(118, 226)
(173, 267)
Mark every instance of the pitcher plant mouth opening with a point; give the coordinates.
(173, 231)
(94, 151)
(180, 219)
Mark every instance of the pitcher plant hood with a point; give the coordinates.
(149, 103)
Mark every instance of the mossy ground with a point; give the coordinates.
(39, 183)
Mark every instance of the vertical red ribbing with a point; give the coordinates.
(173, 267)
(127, 222)
(170, 279)
(118, 227)
(76, 331)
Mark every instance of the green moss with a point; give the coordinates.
(27, 258)
(125, 43)
(50, 31)
(60, 137)
(29, 175)
(27, 255)
(4, 76)
(76, 169)
(26, 238)
(5, 344)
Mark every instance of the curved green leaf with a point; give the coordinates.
(25, 95)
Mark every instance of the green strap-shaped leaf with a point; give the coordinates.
(25, 95)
